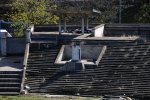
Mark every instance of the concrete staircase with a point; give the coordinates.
(10, 82)
(40, 65)
(123, 70)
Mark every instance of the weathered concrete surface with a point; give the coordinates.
(16, 45)
(87, 52)
(118, 30)
(52, 33)
(12, 63)
(106, 38)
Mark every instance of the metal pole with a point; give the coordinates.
(64, 24)
(59, 25)
(82, 29)
(87, 23)
(120, 5)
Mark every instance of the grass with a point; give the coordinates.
(42, 98)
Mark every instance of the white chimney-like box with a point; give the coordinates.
(98, 31)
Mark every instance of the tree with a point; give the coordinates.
(108, 10)
(27, 12)
(144, 14)
(4, 9)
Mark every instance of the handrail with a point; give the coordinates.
(26, 54)
(25, 65)
(101, 54)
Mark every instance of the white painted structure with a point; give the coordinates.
(4, 33)
(98, 31)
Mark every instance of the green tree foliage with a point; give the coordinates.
(108, 9)
(144, 14)
(4, 9)
(27, 12)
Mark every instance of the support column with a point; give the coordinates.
(82, 29)
(64, 24)
(29, 32)
(59, 25)
(3, 44)
(76, 53)
(87, 23)
(28, 36)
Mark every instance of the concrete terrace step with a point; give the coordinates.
(10, 88)
(10, 72)
(116, 73)
(9, 93)
(6, 84)
(10, 82)
(10, 76)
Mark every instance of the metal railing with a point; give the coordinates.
(25, 65)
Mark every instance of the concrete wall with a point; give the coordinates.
(16, 45)
(127, 30)
(87, 52)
